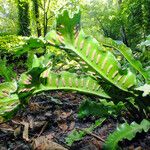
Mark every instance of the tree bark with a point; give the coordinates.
(45, 20)
(44, 27)
(24, 20)
(123, 34)
(36, 12)
(122, 29)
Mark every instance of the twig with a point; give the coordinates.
(18, 146)
(43, 128)
(90, 133)
(48, 6)
(41, 7)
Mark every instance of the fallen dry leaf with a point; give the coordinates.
(17, 131)
(6, 128)
(63, 126)
(57, 112)
(50, 136)
(26, 131)
(38, 124)
(97, 143)
(71, 127)
(16, 120)
(43, 143)
(65, 115)
(34, 106)
(61, 115)
(31, 122)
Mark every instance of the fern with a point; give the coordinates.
(127, 53)
(9, 102)
(6, 71)
(7, 88)
(76, 135)
(40, 78)
(101, 109)
(125, 131)
(31, 43)
(69, 36)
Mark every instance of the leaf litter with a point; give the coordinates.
(49, 118)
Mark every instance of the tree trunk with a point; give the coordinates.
(45, 23)
(24, 20)
(146, 17)
(122, 29)
(36, 12)
(44, 27)
(45, 20)
(123, 34)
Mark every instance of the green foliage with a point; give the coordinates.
(69, 36)
(146, 42)
(144, 54)
(17, 45)
(41, 76)
(9, 42)
(100, 109)
(124, 20)
(111, 18)
(9, 102)
(71, 81)
(136, 15)
(8, 107)
(6, 71)
(42, 79)
(7, 88)
(32, 44)
(125, 131)
(77, 135)
(8, 17)
(23, 17)
(127, 53)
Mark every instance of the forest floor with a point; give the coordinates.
(50, 117)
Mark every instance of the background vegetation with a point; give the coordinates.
(126, 21)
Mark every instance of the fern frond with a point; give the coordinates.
(69, 36)
(125, 131)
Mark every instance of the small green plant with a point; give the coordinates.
(6, 71)
(77, 134)
(125, 131)
(9, 101)
(101, 108)
(9, 42)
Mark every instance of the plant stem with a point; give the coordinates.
(90, 133)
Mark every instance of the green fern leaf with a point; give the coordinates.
(9, 102)
(101, 109)
(76, 135)
(7, 88)
(125, 131)
(49, 80)
(69, 36)
(40, 78)
(127, 53)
